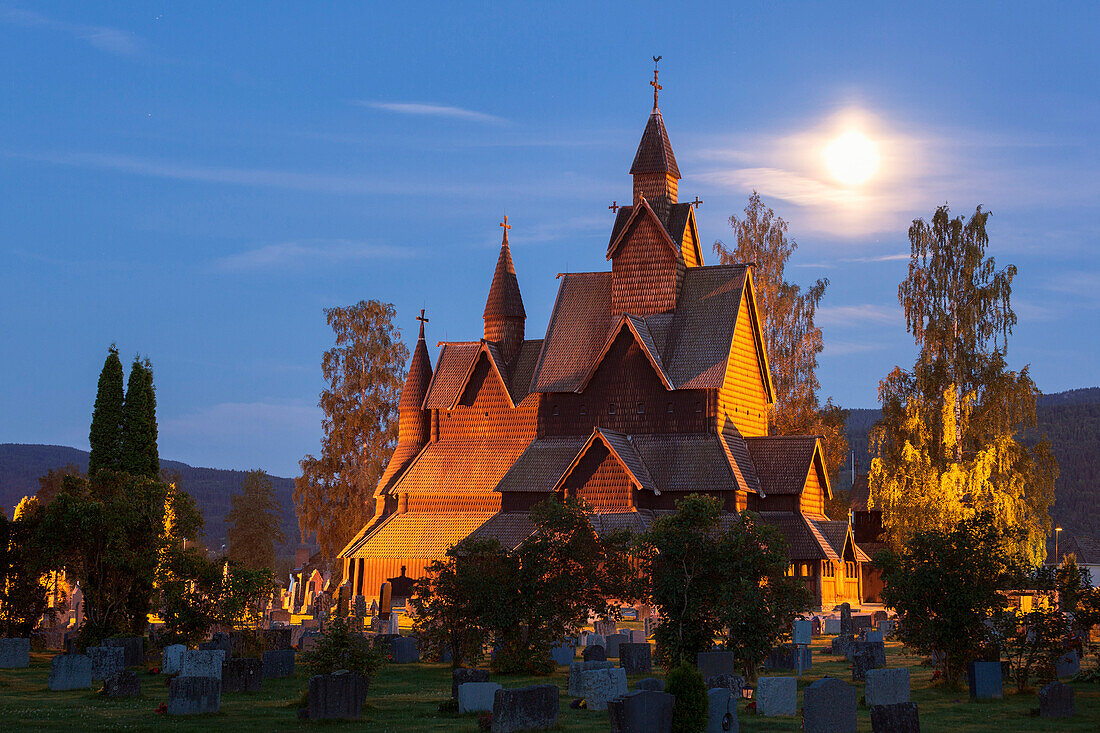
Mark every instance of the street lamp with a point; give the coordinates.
(1056, 531)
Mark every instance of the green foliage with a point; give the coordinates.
(139, 454)
(25, 580)
(706, 580)
(1031, 641)
(197, 594)
(945, 585)
(364, 373)
(339, 647)
(254, 522)
(106, 431)
(689, 710)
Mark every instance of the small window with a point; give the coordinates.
(584, 409)
(555, 409)
(641, 408)
(806, 570)
(698, 406)
(611, 408)
(790, 570)
(668, 409)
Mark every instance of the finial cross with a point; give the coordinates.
(421, 317)
(656, 87)
(614, 207)
(505, 224)
(696, 202)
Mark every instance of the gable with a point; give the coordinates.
(637, 331)
(625, 370)
(746, 388)
(689, 244)
(646, 271)
(816, 488)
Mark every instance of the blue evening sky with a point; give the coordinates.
(197, 181)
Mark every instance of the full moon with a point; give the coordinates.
(852, 158)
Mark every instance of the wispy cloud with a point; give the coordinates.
(111, 40)
(308, 253)
(430, 109)
(846, 348)
(857, 315)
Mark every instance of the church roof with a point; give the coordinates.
(504, 298)
(456, 364)
(838, 534)
(655, 151)
(417, 535)
(542, 464)
(419, 377)
(782, 461)
(861, 493)
(450, 467)
(804, 539)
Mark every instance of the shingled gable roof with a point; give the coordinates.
(839, 535)
(642, 336)
(577, 329)
(456, 364)
(504, 299)
(739, 458)
(783, 461)
(618, 234)
(804, 540)
(424, 535)
(451, 369)
(654, 150)
(861, 493)
(620, 446)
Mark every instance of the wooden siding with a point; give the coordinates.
(484, 411)
(600, 480)
(659, 189)
(742, 398)
(777, 503)
(689, 247)
(646, 272)
(813, 493)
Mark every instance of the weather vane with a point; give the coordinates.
(656, 87)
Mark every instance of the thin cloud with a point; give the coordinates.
(846, 348)
(430, 109)
(305, 254)
(104, 38)
(856, 315)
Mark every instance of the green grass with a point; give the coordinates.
(406, 698)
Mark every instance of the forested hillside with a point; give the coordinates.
(1070, 420)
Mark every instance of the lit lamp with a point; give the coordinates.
(1056, 531)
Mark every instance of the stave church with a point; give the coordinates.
(650, 382)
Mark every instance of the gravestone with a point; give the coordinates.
(194, 695)
(106, 660)
(525, 708)
(462, 675)
(123, 683)
(650, 625)
(721, 711)
(308, 641)
(815, 626)
(404, 650)
(843, 645)
(70, 672)
(278, 663)
(641, 711)
(636, 658)
(715, 663)
(360, 607)
(786, 657)
(277, 639)
(15, 653)
(477, 697)
(595, 653)
(133, 649)
(220, 640)
(862, 662)
(877, 650)
(203, 663)
(887, 686)
(601, 685)
(1056, 701)
(171, 660)
(242, 675)
(604, 628)
(872, 636)
(576, 675)
(1067, 665)
(887, 627)
(861, 621)
(563, 653)
(900, 717)
(985, 680)
(829, 706)
(336, 696)
(596, 640)
(878, 617)
(613, 642)
(733, 682)
(803, 631)
(776, 696)
(650, 683)
(830, 626)
(846, 618)
(634, 636)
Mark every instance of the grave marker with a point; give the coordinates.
(525, 708)
(829, 706)
(641, 711)
(336, 696)
(776, 696)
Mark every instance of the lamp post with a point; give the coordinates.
(1056, 531)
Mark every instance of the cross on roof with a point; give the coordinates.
(422, 320)
(656, 87)
(614, 207)
(696, 202)
(505, 224)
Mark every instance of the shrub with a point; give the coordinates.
(337, 648)
(689, 711)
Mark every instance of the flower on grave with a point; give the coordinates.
(161, 709)
(485, 721)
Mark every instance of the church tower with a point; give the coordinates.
(504, 314)
(656, 176)
(415, 423)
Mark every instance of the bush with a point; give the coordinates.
(689, 712)
(337, 648)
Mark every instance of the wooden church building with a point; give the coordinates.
(650, 383)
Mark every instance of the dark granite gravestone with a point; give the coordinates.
(1068, 664)
(862, 662)
(641, 711)
(525, 708)
(636, 658)
(846, 618)
(194, 695)
(15, 653)
(715, 663)
(887, 686)
(576, 675)
(106, 661)
(404, 650)
(815, 626)
(829, 706)
(278, 639)
(123, 683)
(278, 663)
(613, 642)
(242, 675)
(133, 649)
(721, 711)
(861, 622)
(650, 683)
(70, 672)
(877, 649)
(786, 657)
(336, 696)
(878, 617)
(1056, 701)
(843, 645)
(462, 675)
(604, 628)
(985, 680)
(735, 683)
(897, 718)
(594, 654)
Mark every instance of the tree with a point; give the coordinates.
(1031, 641)
(945, 586)
(946, 448)
(24, 569)
(105, 436)
(364, 373)
(254, 522)
(50, 482)
(791, 338)
(139, 455)
(339, 647)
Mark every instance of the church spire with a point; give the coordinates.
(414, 422)
(504, 314)
(656, 175)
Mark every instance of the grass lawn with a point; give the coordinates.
(406, 698)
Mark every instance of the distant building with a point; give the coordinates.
(651, 383)
(1086, 551)
(867, 528)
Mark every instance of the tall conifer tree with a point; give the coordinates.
(139, 423)
(106, 431)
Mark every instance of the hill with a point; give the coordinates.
(21, 465)
(1070, 420)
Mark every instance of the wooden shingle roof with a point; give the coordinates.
(782, 461)
(542, 464)
(449, 467)
(804, 540)
(451, 369)
(504, 299)
(417, 535)
(654, 150)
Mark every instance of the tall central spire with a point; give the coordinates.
(504, 314)
(656, 175)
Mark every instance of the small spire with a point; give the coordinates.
(656, 87)
(422, 320)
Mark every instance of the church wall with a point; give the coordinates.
(600, 480)
(813, 495)
(646, 272)
(484, 411)
(625, 378)
(742, 399)
(659, 189)
(777, 503)
(688, 248)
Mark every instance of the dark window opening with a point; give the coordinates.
(698, 406)
(641, 408)
(555, 409)
(669, 408)
(584, 409)
(611, 409)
